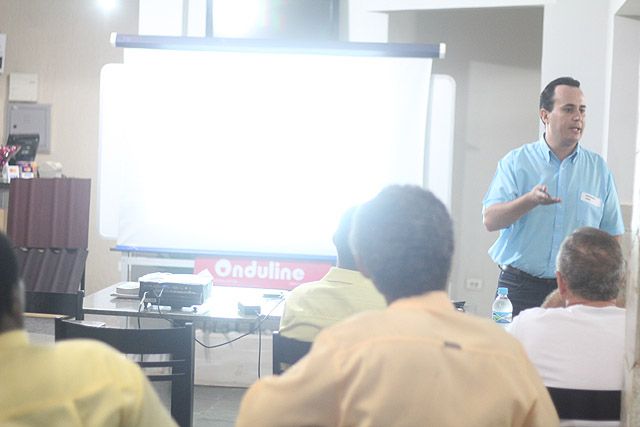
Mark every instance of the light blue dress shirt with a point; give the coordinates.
(588, 199)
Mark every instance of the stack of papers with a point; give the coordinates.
(127, 290)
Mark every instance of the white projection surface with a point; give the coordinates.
(253, 153)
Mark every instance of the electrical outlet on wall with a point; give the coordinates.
(474, 284)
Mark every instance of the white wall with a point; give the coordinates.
(494, 56)
(582, 48)
(66, 42)
(624, 105)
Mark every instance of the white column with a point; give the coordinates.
(631, 392)
(577, 41)
(624, 106)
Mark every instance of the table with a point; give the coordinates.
(219, 313)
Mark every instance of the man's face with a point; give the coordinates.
(564, 124)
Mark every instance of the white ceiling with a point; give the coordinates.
(630, 8)
(398, 5)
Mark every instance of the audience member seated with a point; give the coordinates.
(342, 292)
(73, 383)
(580, 343)
(553, 300)
(419, 362)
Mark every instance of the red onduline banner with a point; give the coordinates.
(261, 273)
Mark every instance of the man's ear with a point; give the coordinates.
(544, 116)
(563, 288)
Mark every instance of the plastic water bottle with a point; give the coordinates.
(502, 309)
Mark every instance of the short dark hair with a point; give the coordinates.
(9, 277)
(341, 240)
(547, 96)
(591, 262)
(403, 239)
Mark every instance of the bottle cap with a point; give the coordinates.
(503, 291)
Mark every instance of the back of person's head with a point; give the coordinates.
(341, 240)
(403, 240)
(591, 262)
(547, 96)
(9, 282)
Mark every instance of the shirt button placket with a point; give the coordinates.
(558, 225)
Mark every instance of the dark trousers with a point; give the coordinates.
(525, 291)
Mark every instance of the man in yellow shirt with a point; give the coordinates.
(417, 363)
(72, 383)
(343, 291)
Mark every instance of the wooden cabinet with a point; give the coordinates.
(48, 223)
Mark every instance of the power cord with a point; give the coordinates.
(256, 327)
(140, 306)
(259, 320)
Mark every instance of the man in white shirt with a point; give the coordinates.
(580, 345)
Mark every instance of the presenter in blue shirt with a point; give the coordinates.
(543, 191)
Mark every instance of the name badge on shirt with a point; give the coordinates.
(592, 200)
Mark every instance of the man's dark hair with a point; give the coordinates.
(341, 240)
(9, 279)
(591, 262)
(403, 239)
(548, 94)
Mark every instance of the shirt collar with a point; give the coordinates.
(549, 155)
(573, 156)
(14, 339)
(344, 275)
(431, 301)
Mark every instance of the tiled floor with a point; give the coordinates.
(213, 406)
(216, 406)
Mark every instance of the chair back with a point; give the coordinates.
(287, 351)
(178, 342)
(594, 405)
(55, 303)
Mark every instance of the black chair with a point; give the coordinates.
(53, 280)
(55, 303)
(177, 342)
(287, 351)
(594, 405)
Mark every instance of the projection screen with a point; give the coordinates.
(246, 153)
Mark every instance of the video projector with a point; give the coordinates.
(174, 290)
